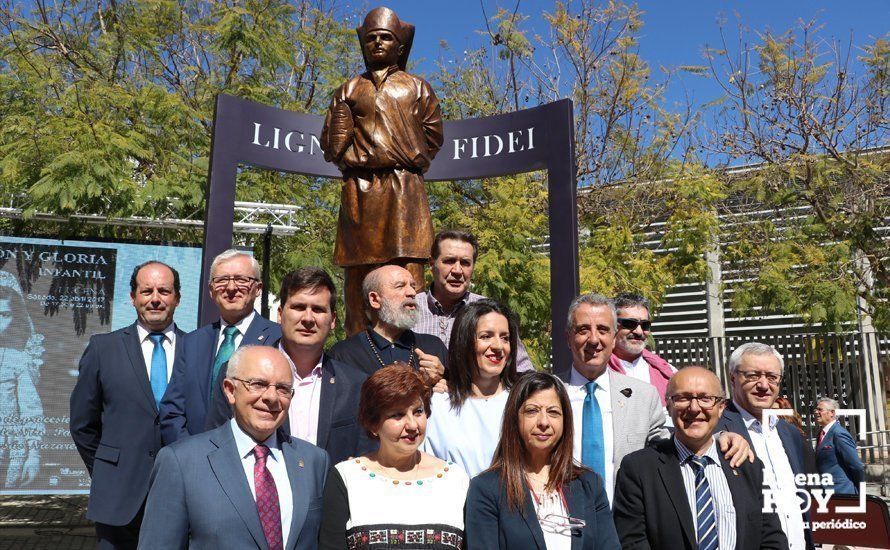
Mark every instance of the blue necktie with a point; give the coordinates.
(225, 352)
(704, 507)
(158, 367)
(593, 448)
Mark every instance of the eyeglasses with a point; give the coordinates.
(632, 324)
(241, 281)
(560, 522)
(258, 387)
(704, 401)
(753, 376)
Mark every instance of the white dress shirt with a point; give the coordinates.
(305, 405)
(724, 509)
(638, 368)
(241, 325)
(777, 473)
(825, 429)
(577, 394)
(275, 465)
(148, 347)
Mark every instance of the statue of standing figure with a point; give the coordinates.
(382, 130)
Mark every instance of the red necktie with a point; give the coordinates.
(819, 442)
(267, 499)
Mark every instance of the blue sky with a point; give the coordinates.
(674, 32)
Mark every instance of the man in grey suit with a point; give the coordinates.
(614, 414)
(246, 484)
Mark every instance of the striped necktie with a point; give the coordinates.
(704, 507)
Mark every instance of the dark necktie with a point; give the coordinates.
(225, 352)
(593, 449)
(158, 367)
(704, 506)
(267, 505)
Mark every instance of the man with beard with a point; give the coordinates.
(755, 374)
(389, 294)
(452, 260)
(631, 356)
(614, 414)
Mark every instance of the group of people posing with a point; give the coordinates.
(430, 428)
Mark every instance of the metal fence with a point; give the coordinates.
(848, 367)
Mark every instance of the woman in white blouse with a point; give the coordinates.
(466, 423)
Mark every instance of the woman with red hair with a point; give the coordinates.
(397, 495)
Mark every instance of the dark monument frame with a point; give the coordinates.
(246, 132)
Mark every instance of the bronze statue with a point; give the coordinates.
(382, 130)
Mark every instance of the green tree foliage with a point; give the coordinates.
(805, 234)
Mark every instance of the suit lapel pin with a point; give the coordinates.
(627, 392)
(332, 379)
(300, 463)
(260, 337)
(735, 472)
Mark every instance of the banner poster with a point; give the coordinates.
(54, 295)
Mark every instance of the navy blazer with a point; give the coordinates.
(184, 408)
(793, 442)
(489, 523)
(836, 455)
(339, 432)
(115, 423)
(652, 510)
(355, 350)
(200, 497)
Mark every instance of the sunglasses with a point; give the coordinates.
(632, 324)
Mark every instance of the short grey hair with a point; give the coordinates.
(371, 283)
(754, 348)
(235, 361)
(234, 253)
(591, 299)
(832, 403)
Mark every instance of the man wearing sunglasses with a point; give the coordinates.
(715, 505)
(235, 283)
(630, 356)
(755, 373)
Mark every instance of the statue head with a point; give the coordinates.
(384, 39)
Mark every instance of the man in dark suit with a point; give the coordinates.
(246, 484)
(390, 306)
(836, 450)
(755, 374)
(323, 411)
(682, 493)
(235, 282)
(114, 405)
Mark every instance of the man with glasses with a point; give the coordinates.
(714, 504)
(614, 414)
(327, 391)
(246, 484)
(836, 450)
(234, 285)
(630, 356)
(755, 373)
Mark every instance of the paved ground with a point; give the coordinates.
(45, 522)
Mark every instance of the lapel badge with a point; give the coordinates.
(260, 337)
(332, 379)
(300, 463)
(735, 472)
(627, 392)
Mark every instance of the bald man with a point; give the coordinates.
(246, 484)
(682, 493)
(390, 307)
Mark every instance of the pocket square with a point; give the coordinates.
(627, 392)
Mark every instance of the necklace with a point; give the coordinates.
(377, 353)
